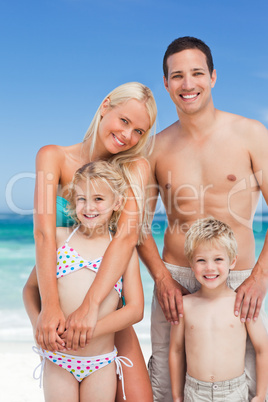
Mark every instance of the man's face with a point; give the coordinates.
(189, 82)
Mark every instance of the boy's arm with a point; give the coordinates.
(259, 339)
(32, 303)
(177, 361)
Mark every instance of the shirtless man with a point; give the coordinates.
(208, 163)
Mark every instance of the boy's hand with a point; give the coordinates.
(50, 325)
(258, 399)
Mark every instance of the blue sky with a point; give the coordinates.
(59, 58)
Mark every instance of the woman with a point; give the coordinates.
(120, 131)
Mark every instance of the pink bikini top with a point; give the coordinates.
(68, 261)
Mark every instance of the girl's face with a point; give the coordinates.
(122, 127)
(95, 203)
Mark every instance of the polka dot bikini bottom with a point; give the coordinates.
(82, 366)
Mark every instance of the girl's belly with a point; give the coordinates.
(72, 291)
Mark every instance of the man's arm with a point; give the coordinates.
(169, 292)
(177, 363)
(251, 293)
(259, 339)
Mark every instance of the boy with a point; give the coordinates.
(213, 339)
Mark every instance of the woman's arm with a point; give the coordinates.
(132, 312)
(177, 363)
(32, 303)
(81, 323)
(113, 322)
(51, 319)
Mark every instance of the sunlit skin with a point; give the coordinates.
(121, 127)
(213, 339)
(95, 203)
(55, 167)
(211, 266)
(216, 166)
(189, 81)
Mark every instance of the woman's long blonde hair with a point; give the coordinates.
(126, 159)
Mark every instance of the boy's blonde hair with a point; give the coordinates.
(108, 173)
(213, 231)
(127, 159)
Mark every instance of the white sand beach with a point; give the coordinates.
(16, 372)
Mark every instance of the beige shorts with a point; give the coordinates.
(160, 333)
(235, 390)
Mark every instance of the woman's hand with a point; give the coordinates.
(80, 326)
(50, 325)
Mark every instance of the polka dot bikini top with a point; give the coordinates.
(68, 261)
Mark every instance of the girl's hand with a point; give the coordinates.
(80, 326)
(50, 325)
(258, 399)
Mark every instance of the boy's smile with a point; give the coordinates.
(211, 264)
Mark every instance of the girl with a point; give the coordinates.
(119, 130)
(96, 196)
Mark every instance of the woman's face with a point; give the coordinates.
(122, 127)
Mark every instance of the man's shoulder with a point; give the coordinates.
(238, 122)
(164, 138)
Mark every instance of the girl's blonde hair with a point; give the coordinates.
(126, 159)
(213, 231)
(108, 173)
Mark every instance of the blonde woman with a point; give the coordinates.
(119, 130)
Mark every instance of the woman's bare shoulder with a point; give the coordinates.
(51, 151)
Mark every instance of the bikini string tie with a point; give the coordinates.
(40, 365)
(119, 370)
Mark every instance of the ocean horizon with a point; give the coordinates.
(17, 255)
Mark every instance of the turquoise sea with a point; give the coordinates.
(17, 257)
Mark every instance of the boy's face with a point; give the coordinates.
(211, 265)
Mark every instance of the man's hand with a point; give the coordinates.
(50, 325)
(169, 294)
(250, 295)
(80, 326)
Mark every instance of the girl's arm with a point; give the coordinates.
(113, 322)
(32, 303)
(259, 338)
(177, 364)
(81, 323)
(51, 319)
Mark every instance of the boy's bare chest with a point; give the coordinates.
(213, 317)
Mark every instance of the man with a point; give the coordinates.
(208, 163)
